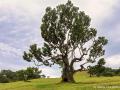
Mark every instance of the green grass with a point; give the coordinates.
(83, 82)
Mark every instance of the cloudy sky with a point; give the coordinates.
(20, 27)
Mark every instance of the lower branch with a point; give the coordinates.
(82, 68)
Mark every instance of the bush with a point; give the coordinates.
(9, 74)
(108, 74)
(20, 75)
(4, 79)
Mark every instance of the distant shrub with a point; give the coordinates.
(20, 75)
(3, 79)
(103, 71)
(108, 74)
(98, 69)
(9, 74)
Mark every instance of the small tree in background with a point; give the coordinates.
(21, 75)
(4, 79)
(101, 62)
(9, 74)
(66, 32)
(98, 69)
(91, 70)
(33, 73)
(29, 73)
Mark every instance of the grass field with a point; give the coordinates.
(83, 82)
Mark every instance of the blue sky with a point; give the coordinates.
(20, 27)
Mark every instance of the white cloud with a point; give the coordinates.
(113, 61)
(3, 18)
(115, 33)
(29, 7)
(11, 66)
(97, 9)
(8, 50)
(51, 72)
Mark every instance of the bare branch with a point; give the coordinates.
(82, 68)
(76, 60)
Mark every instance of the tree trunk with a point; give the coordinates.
(90, 75)
(67, 74)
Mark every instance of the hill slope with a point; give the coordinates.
(84, 82)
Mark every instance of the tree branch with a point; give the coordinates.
(36, 64)
(81, 67)
(76, 60)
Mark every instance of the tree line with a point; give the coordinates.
(20, 75)
(100, 70)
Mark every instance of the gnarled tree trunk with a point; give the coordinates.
(67, 74)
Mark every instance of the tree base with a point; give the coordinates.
(68, 80)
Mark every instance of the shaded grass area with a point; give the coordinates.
(83, 82)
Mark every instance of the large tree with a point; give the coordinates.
(68, 39)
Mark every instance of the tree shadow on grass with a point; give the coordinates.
(27, 81)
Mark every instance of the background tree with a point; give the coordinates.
(21, 75)
(101, 62)
(33, 73)
(8, 74)
(99, 69)
(66, 32)
(92, 70)
(28, 74)
(4, 79)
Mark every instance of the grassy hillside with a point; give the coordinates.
(84, 82)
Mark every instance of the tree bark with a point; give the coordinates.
(67, 74)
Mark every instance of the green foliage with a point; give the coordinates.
(101, 62)
(28, 74)
(9, 74)
(3, 79)
(20, 74)
(33, 73)
(63, 20)
(108, 74)
(98, 69)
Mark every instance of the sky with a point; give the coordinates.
(20, 27)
